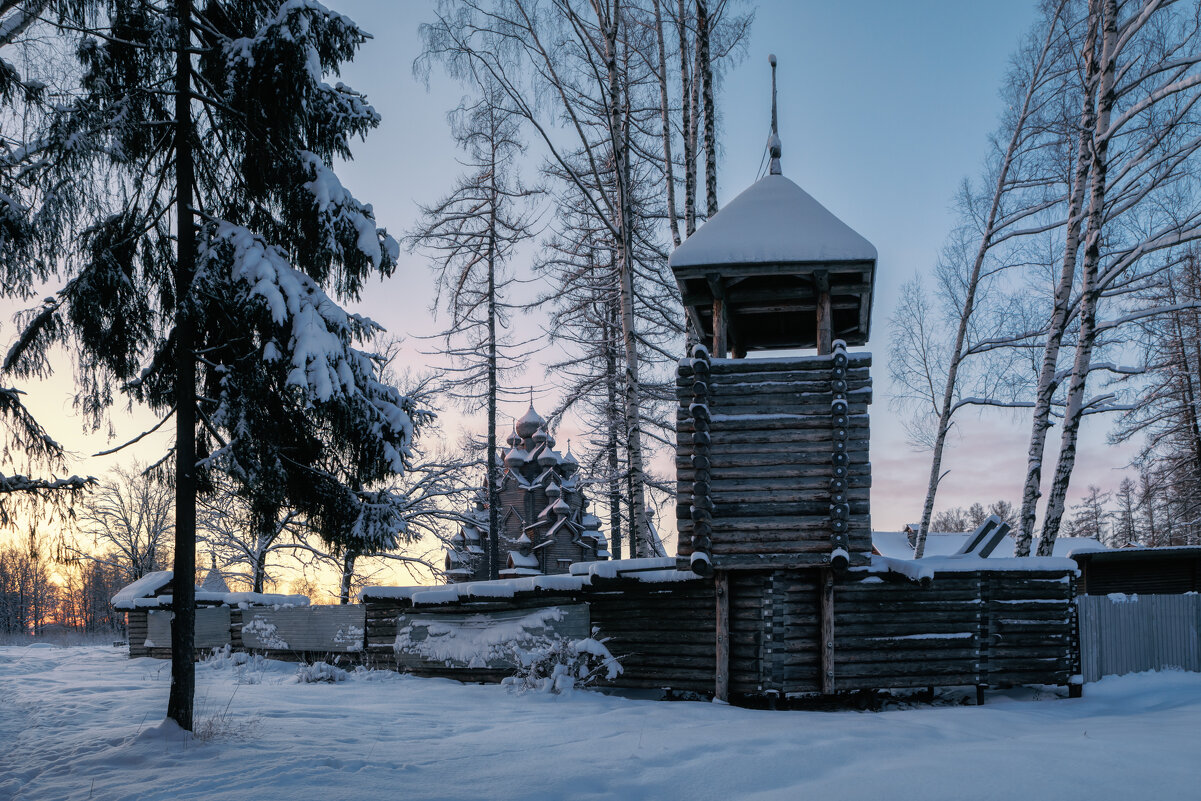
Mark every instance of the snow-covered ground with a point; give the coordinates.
(86, 722)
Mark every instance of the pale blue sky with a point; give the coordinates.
(885, 107)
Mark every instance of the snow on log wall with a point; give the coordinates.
(777, 441)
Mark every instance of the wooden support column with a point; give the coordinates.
(826, 606)
(825, 326)
(721, 687)
(721, 316)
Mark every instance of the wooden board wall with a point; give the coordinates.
(771, 442)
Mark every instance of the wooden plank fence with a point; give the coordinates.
(1131, 633)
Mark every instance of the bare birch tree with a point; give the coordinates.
(1141, 149)
(470, 237)
(1020, 191)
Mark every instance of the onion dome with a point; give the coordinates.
(553, 490)
(540, 435)
(529, 423)
(570, 463)
(550, 440)
(513, 439)
(549, 457)
(516, 458)
(561, 507)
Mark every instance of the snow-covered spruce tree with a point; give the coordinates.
(470, 236)
(205, 286)
(30, 216)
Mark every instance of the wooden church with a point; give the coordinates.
(545, 526)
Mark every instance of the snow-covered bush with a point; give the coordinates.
(320, 673)
(564, 665)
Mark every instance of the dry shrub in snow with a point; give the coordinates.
(320, 673)
(565, 665)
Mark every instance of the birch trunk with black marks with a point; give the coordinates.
(988, 236)
(706, 77)
(1091, 289)
(1060, 313)
(673, 221)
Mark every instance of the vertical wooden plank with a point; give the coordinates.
(826, 606)
(720, 324)
(721, 316)
(825, 325)
(721, 689)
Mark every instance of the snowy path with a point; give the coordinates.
(78, 723)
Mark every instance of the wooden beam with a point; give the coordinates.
(826, 605)
(721, 684)
(721, 318)
(825, 330)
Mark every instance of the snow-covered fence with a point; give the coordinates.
(150, 631)
(1130, 633)
(301, 630)
(499, 640)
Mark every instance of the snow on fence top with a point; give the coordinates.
(925, 569)
(652, 570)
(143, 594)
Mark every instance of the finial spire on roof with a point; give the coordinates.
(773, 144)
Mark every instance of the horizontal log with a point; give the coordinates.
(739, 441)
(855, 361)
(848, 683)
(952, 667)
(766, 398)
(731, 424)
(771, 478)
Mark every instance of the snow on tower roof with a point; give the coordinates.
(773, 221)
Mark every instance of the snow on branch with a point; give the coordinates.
(317, 335)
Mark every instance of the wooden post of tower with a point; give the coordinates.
(721, 317)
(825, 327)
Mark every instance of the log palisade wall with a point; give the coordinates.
(760, 445)
(993, 628)
(661, 632)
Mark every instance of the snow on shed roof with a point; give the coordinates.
(143, 594)
(773, 221)
(895, 544)
(145, 587)
(582, 573)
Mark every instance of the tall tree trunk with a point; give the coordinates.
(688, 104)
(632, 388)
(183, 624)
(668, 171)
(1091, 292)
(609, 329)
(491, 474)
(348, 560)
(706, 76)
(947, 409)
(1057, 326)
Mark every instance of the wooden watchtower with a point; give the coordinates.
(772, 470)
